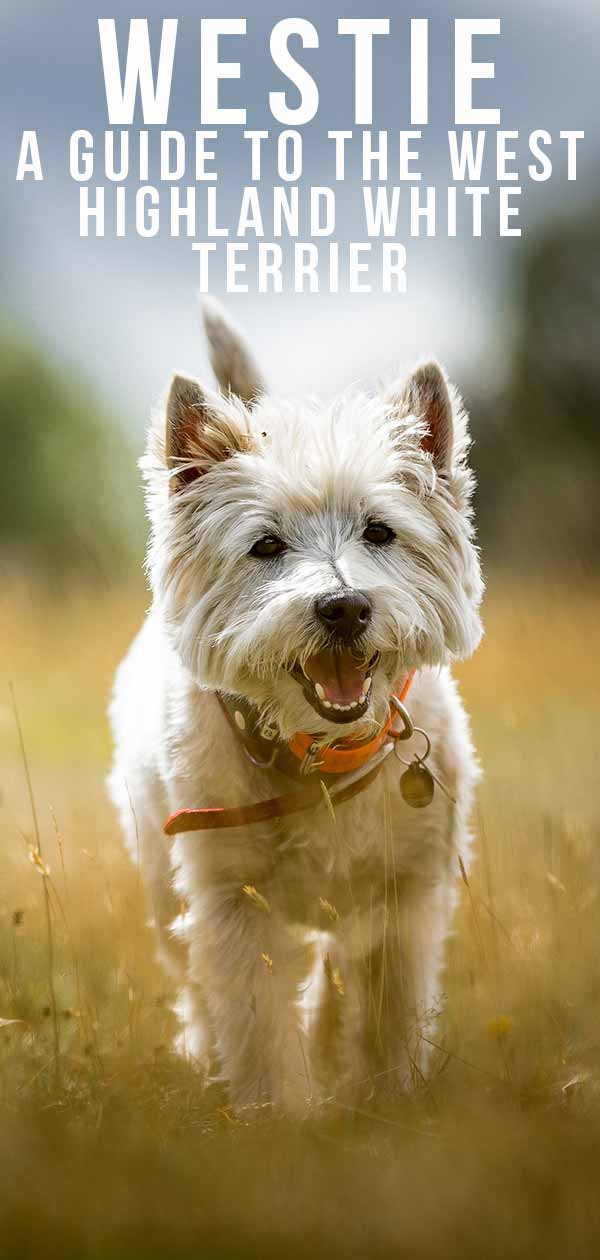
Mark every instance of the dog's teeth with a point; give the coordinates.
(320, 691)
(326, 704)
(339, 706)
(366, 687)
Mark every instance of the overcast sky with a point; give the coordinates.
(128, 308)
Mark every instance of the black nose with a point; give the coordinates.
(346, 616)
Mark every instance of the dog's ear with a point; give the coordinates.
(200, 432)
(231, 358)
(426, 396)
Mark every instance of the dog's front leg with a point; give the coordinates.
(249, 967)
(404, 987)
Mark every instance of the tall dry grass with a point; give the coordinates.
(108, 1146)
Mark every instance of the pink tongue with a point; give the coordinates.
(339, 674)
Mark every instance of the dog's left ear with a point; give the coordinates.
(426, 396)
(200, 432)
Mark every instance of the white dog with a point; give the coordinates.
(307, 564)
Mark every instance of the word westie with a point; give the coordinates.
(293, 763)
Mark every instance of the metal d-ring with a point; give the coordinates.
(406, 718)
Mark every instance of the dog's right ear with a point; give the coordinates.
(232, 361)
(200, 432)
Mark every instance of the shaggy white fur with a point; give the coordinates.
(260, 508)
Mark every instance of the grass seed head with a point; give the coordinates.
(329, 910)
(333, 976)
(255, 897)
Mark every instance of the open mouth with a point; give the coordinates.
(337, 683)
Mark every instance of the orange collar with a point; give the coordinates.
(303, 753)
(346, 754)
(297, 758)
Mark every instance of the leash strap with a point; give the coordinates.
(278, 806)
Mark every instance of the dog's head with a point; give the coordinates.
(307, 556)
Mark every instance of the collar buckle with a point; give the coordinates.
(308, 763)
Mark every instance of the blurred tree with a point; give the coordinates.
(537, 443)
(557, 363)
(69, 502)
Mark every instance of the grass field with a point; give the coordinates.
(108, 1145)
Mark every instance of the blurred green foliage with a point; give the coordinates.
(70, 506)
(537, 440)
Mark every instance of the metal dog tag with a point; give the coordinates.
(417, 785)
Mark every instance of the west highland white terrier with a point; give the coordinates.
(313, 574)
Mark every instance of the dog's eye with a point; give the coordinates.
(268, 546)
(378, 533)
